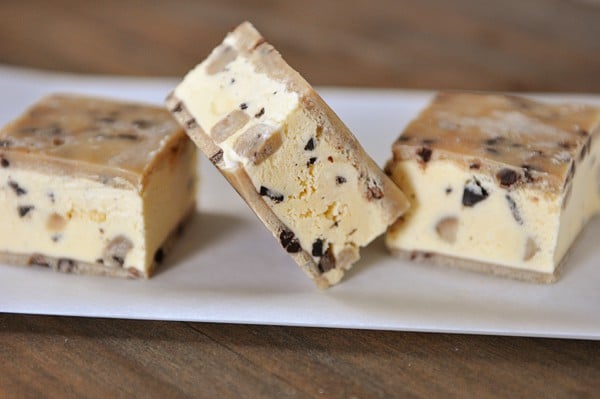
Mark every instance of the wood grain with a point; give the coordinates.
(534, 45)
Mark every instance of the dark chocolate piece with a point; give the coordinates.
(289, 241)
(327, 261)
(273, 195)
(24, 210)
(16, 188)
(507, 177)
(317, 247)
(473, 193)
(340, 180)
(513, 209)
(310, 145)
(424, 153)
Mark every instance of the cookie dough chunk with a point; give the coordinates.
(287, 153)
(498, 183)
(93, 186)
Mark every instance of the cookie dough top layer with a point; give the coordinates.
(114, 142)
(539, 143)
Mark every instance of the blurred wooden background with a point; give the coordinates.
(509, 45)
(516, 45)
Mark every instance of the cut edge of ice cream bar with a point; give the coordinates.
(497, 183)
(287, 154)
(82, 185)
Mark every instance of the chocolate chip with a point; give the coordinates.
(65, 265)
(260, 113)
(310, 145)
(582, 132)
(273, 195)
(424, 153)
(311, 161)
(51, 196)
(373, 190)
(475, 165)
(100, 260)
(317, 247)
(448, 190)
(327, 261)
(4, 162)
(243, 106)
(340, 180)
(56, 237)
(191, 123)
(142, 123)
(38, 260)
(494, 141)
(527, 173)
(289, 242)
(178, 107)
(106, 119)
(330, 159)
(513, 209)
(159, 255)
(216, 157)
(473, 193)
(116, 251)
(25, 209)
(126, 136)
(507, 177)
(16, 188)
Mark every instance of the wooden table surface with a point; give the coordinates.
(510, 45)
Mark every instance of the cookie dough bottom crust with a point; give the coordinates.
(487, 268)
(67, 265)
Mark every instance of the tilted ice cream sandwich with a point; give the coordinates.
(497, 183)
(287, 154)
(89, 185)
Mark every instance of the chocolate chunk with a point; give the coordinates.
(527, 173)
(373, 190)
(191, 123)
(310, 145)
(142, 123)
(311, 161)
(289, 242)
(232, 81)
(16, 188)
(473, 193)
(100, 260)
(178, 107)
(216, 157)
(330, 159)
(65, 265)
(448, 190)
(475, 165)
(243, 106)
(273, 195)
(159, 255)
(424, 153)
(38, 260)
(260, 113)
(127, 136)
(327, 261)
(4, 162)
(317, 247)
(494, 141)
(513, 209)
(340, 180)
(24, 210)
(507, 177)
(116, 251)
